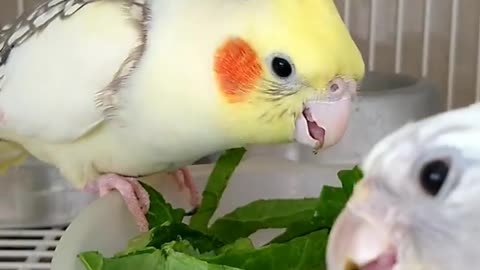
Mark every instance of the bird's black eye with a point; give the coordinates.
(433, 175)
(282, 67)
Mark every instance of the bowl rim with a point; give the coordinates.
(414, 85)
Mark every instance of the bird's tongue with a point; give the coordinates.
(316, 132)
(386, 261)
(322, 124)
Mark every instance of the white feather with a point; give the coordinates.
(52, 78)
(438, 232)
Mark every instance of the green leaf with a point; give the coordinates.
(160, 211)
(91, 260)
(185, 247)
(243, 244)
(180, 231)
(167, 233)
(166, 258)
(217, 182)
(303, 253)
(262, 214)
(349, 179)
(330, 204)
(149, 259)
(328, 207)
(137, 243)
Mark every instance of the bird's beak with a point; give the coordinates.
(360, 239)
(324, 121)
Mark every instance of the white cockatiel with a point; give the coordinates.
(112, 90)
(418, 206)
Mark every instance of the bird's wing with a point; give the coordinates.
(61, 65)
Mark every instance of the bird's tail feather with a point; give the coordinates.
(11, 155)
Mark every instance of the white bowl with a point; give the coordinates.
(36, 195)
(106, 225)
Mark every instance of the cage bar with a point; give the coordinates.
(20, 7)
(399, 36)
(347, 10)
(452, 55)
(477, 95)
(372, 35)
(27, 243)
(23, 266)
(427, 15)
(25, 253)
(31, 233)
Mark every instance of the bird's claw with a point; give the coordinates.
(134, 195)
(184, 179)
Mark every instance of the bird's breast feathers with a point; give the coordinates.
(71, 76)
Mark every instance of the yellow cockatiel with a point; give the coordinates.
(111, 90)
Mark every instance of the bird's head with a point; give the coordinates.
(417, 207)
(288, 71)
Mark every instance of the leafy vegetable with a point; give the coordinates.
(160, 211)
(306, 252)
(198, 240)
(349, 178)
(149, 259)
(173, 245)
(331, 202)
(242, 244)
(217, 182)
(262, 214)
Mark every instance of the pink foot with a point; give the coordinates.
(134, 195)
(184, 178)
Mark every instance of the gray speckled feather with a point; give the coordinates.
(41, 45)
(29, 24)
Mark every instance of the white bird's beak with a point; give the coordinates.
(360, 241)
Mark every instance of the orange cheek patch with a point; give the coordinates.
(237, 68)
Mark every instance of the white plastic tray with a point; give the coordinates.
(106, 225)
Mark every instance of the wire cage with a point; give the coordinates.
(436, 39)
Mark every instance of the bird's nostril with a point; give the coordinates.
(334, 87)
(340, 88)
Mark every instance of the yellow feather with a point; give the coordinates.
(11, 155)
(313, 35)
